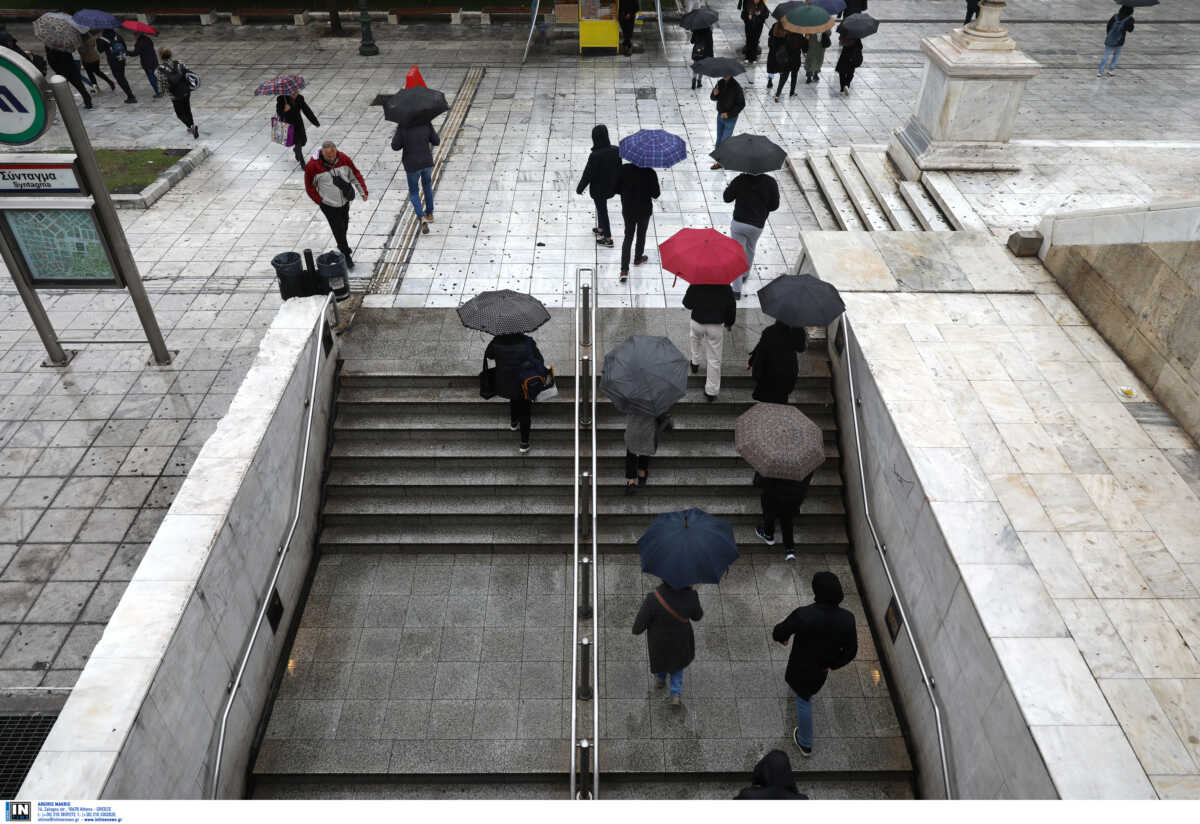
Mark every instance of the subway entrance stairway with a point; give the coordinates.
(433, 654)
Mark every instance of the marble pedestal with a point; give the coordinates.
(968, 105)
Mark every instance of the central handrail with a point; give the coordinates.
(881, 549)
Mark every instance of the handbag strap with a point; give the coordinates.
(667, 607)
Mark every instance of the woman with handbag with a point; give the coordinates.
(702, 47)
(666, 616)
(509, 352)
(289, 108)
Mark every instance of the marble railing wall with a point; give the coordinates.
(143, 719)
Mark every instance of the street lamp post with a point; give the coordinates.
(367, 48)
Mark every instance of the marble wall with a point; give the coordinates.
(989, 746)
(143, 719)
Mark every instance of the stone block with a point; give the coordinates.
(1025, 243)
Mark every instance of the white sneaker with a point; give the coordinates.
(1108, 74)
(1099, 74)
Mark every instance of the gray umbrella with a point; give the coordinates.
(750, 153)
(718, 67)
(779, 441)
(701, 18)
(645, 374)
(503, 312)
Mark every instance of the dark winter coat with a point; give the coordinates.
(509, 351)
(604, 163)
(671, 642)
(850, 58)
(1119, 19)
(627, 11)
(772, 780)
(753, 197)
(855, 6)
(115, 53)
(755, 13)
(143, 47)
(729, 96)
(823, 637)
(293, 116)
(702, 44)
(773, 362)
(417, 143)
(797, 46)
(638, 188)
(61, 62)
(642, 431)
(777, 59)
(711, 303)
(783, 493)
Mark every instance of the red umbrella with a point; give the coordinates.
(413, 78)
(703, 256)
(134, 25)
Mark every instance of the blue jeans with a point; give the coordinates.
(1115, 52)
(804, 721)
(676, 681)
(725, 128)
(153, 78)
(425, 177)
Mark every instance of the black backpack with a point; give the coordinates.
(177, 82)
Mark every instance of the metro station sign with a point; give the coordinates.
(24, 112)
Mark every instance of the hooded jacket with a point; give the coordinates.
(773, 362)
(604, 163)
(417, 143)
(319, 175)
(772, 780)
(638, 188)
(824, 637)
(671, 642)
(729, 96)
(753, 197)
(114, 48)
(711, 303)
(1124, 19)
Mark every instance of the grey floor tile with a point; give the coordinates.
(499, 679)
(35, 562)
(34, 646)
(385, 611)
(540, 718)
(406, 719)
(420, 644)
(503, 643)
(125, 561)
(542, 679)
(495, 719)
(451, 718)
(371, 680)
(461, 643)
(60, 602)
(413, 680)
(361, 719)
(456, 680)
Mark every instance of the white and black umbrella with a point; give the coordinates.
(503, 312)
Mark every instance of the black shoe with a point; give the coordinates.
(195, 130)
(88, 106)
(624, 276)
(808, 78)
(792, 94)
(805, 751)
(596, 230)
(769, 81)
(766, 537)
(643, 478)
(131, 100)
(695, 368)
(424, 228)
(630, 489)
(640, 260)
(604, 241)
(737, 295)
(709, 398)
(524, 447)
(514, 425)
(157, 95)
(349, 262)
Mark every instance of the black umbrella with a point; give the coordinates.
(784, 8)
(858, 26)
(699, 19)
(645, 374)
(410, 107)
(503, 312)
(718, 67)
(801, 300)
(1137, 3)
(750, 153)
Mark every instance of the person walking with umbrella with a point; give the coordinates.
(814, 57)
(174, 76)
(848, 61)
(638, 188)
(61, 62)
(754, 16)
(773, 364)
(824, 638)
(600, 179)
(794, 48)
(292, 108)
(754, 197)
(855, 7)
(89, 56)
(776, 52)
(330, 179)
(115, 51)
(1118, 26)
(641, 444)
(143, 47)
(417, 142)
(730, 101)
(666, 617)
(702, 41)
(60, 36)
(712, 306)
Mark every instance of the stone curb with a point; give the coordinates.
(150, 195)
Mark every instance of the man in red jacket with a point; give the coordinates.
(330, 179)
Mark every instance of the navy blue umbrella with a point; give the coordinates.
(95, 19)
(688, 547)
(650, 148)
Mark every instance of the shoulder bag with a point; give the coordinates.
(667, 607)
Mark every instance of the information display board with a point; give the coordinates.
(60, 243)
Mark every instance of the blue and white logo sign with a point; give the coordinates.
(24, 115)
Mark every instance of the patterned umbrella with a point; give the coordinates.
(503, 312)
(94, 19)
(284, 84)
(801, 300)
(779, 441)
(141, 28)
(750, 153)
(414, 105)
(645, 374)
(859, 26)
(703, 256)
(688, 547)
(57, 31)
(808, 19)
(718, 67)
(651, 148)
(701, 18)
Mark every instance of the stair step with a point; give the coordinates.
(730, 396)
(884, 183)
(550, 418)
(950, 200)
(812, 194)
(835, 194)
(859, 192)
(923, 207)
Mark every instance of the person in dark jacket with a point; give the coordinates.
(753, 197)
(781, 499)
(63, 63)
(754, 16)
(849, 60)
(509, 352)
(712, 307)
(627, 12)
(292, 109)
(702, 47)
(638, 189)
(972, 11)
(825, 639)
(417, 143)
(172, 75)
(641, 442)
(143, 47)
(794, 46)
(776, 53)
(114, 49)
(667, 615)
(730, 102)
(1118, 26)
(772, 780)
(854, 7)
(600, 179)
(773, 363)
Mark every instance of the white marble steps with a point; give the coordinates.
(861, 195)
(921, 205)
(952, 203)
(804, 178)
(883, 181)
(838, 200)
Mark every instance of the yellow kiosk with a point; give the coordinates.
(598, 27)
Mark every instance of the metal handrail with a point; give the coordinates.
(882, 550)
(282, 551)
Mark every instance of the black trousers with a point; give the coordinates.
(602, 221)
(634, 225)
(298, 151)
(784, 512)
(183, 110)
(846, 77)
(633, 463)
(339, 222)
(626, 33)
(972, 10)
(753, 36)
(520, 411)
(118, 71)
(783, 75)
(93, 69)
(76, 80)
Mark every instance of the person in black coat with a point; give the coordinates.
(114, 49)
(509, 352)
(712, 307)
(289, 108)
(825, 638)
(972, 11)
(795, 46)
(627, 12)
(667, 615)
(849, 60)
(772, 780)
(638, 189)
(1119, 25)
(773, 362)
(702, 47)
(730, 101)
(416, 143)
(600, 178)
(63, 63)
(854, 7)
(754, 15)
(143, 47)
(781, 499)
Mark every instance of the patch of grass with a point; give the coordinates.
(128, 171)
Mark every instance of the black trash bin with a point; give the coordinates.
(289, 270)
(331, 272)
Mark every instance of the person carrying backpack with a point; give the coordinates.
(516, 357)
(113, 47)
(173, 76)
(1119, 25)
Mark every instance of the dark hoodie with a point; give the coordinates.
(772, 780)
(1124, 19)
(824, 635)
(600, 173)
(773, 362)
